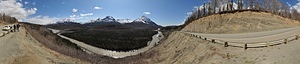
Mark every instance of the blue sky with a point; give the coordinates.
(163, 12)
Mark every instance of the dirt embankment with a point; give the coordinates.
(21, 48)
(240, 22)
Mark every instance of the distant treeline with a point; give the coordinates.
(7, 19)
(232, 6)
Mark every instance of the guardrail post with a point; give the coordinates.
(226, 44)
(245, 46)
(268, 44)
(297, 36)
(285, 41)
(213, 40)
(205, 39)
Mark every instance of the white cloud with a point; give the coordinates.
(87, 14)
(189, 13)
(26, 2)
(33, 3)
(97, 8)
(42, 20)
(147, 13)
(74, 10)
(15, 9)
(72, 16)
(31, 11)
(297, 6)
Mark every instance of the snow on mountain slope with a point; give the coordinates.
(65, 20)
(124, 21)
(144, 20)
(108, 19)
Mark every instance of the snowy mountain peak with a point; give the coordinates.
(145, 20)
(108, 19)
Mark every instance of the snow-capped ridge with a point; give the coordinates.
(65, 20)
(124, 21)
(108, 19)
(145, 20)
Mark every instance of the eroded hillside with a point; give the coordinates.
(239, 22)
(22, 48)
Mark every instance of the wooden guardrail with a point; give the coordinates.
(246, 45)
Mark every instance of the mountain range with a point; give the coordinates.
(108, 22)
(110, 19)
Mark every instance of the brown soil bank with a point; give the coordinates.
(239, 22)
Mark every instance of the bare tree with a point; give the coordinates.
(295, 14)
(266, 5)
(223, 8)
(246, 4)
(3, 17)
(271, 6)
(214, 5)
(209, 8)
(251, 4)
(204, 9)
(257, 5)
(240, 4)
(231, 5)
(227, 7)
